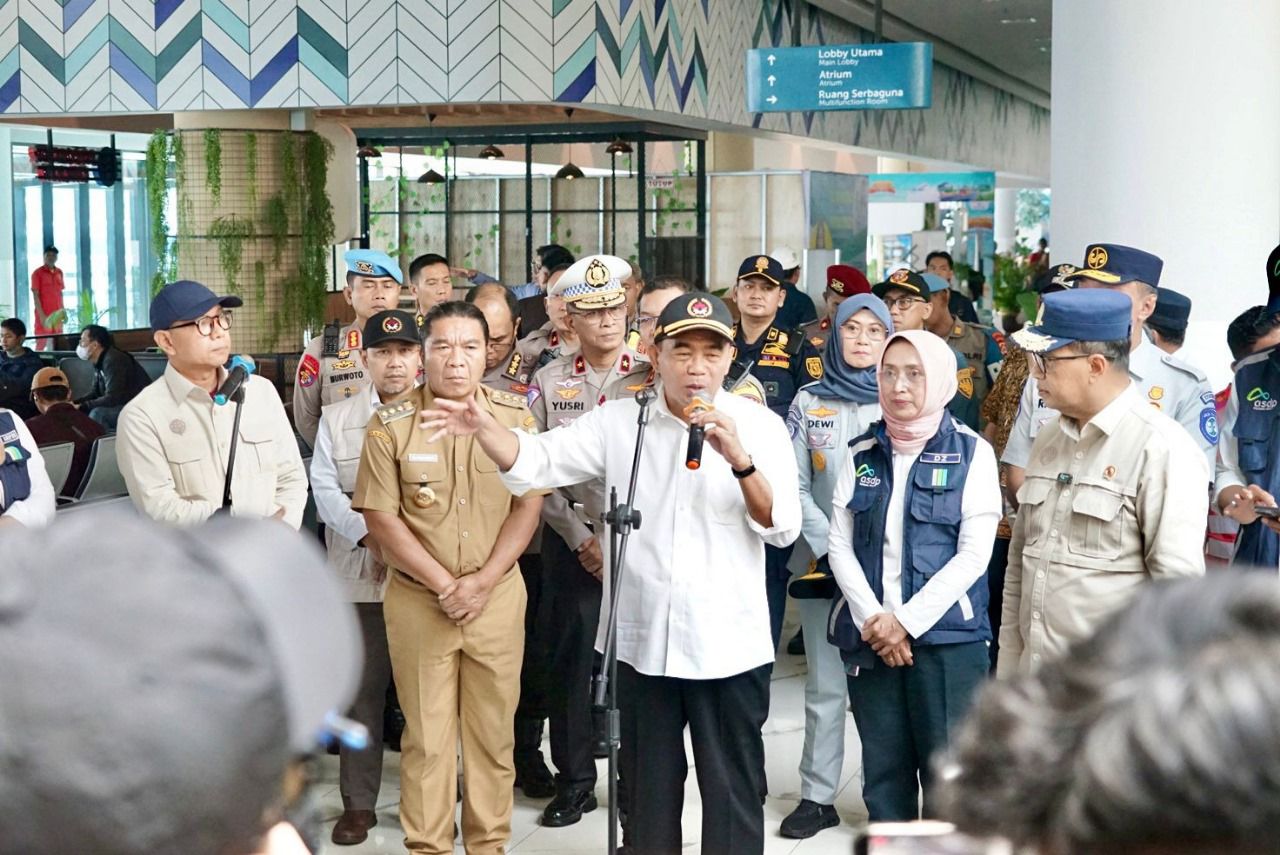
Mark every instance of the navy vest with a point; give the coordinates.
(1257, 391)
(14, 477)
(932, 510)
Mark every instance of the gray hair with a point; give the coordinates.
(1115, 352)
(1158, 734)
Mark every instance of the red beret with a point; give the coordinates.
(845, 281)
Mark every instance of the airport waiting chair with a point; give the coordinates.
(80, 374)
(57, 462)
(102, 476)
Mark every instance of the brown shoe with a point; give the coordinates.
(354, 827)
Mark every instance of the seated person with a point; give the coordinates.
(120, 377)
(18, 364)
(59, 421)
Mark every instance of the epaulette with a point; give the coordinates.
(1176, 363)
(394, 412)
(507, 399)
(331, 333)
(513, 367)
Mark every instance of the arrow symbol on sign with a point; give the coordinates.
(772, 99)
(771, 79)
(771, 59)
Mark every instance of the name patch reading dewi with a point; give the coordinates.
(939, 458)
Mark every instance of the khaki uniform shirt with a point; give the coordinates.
(817, 332)
(326, 378)
(173, 442)
(543, 338)
(1103, 509)
(447, 492)
(561, 392)
(511, 376)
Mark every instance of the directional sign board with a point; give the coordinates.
(897, 76)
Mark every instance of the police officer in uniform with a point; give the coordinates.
(553, 338)
(1167, 383)
(982, 349)
(26, 496)
(451, 533)
(505, 367)
(1167, 325)
(843, 282)
(392, 356)
(330, 369)
(573, 557)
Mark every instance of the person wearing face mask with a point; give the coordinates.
(914, 515)
(824, 417)
(119, 376)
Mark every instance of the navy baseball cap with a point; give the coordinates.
(763, 266)
(185, 300)
(1076, 315)
(906, 280)
(1054, 279)
(696, 310)
(1172, 310)
(390, 325)
(1113, 264)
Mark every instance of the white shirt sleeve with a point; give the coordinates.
(1017, 451)
(844, 564)
(37, 509)
(980, 514)
(332, 505)
(571, 454)
(771, 453)
(1228, 462)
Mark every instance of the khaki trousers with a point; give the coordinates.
(456, 681)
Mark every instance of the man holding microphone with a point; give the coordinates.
(694, 643)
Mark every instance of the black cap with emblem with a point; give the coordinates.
(697, 310)
(391, 325)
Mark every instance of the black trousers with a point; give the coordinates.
(995, 594)
(776, 579)
(360, 772)
(724, 717)
(533, 670)
(570, 617)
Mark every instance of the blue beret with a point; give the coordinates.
(372, 262)
(1172, 310)
(1076, 315)
(1113, 264)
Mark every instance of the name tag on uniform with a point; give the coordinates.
(424, 458)
(11, 436)
(940, 458)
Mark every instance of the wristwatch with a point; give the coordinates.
(744, 473)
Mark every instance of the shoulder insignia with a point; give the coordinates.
(749, 391)
(814, 366)
(308, 371)
(353, 340)
(530, 424)
(419, 319)
(771, 336)
(624, 365)
(1174, 362)
(507, 399)
(553, 340)
(395, 412)
(579, 364)
(816, 341)
(964, 382)
(513, 367)
(377, 434)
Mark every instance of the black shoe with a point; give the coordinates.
(568, 808)
(533, 776)
(808, 819)
(795, 647)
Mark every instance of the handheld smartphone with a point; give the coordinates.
(1268, 511)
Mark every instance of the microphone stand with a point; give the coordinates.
(237, 398)
(622, 519)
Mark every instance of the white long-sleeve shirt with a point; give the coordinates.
(980, 514)
(693, 602)
(333, 506)
(38, 508)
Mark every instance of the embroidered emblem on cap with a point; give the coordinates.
(898, 276)
(700, 308)
(762, 264)
(1097, 258)
(597, 274)
(364, 267)
(391, 324)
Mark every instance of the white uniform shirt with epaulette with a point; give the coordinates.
(324, 378)
(1170, 385)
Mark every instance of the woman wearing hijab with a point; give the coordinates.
(823, 418)
(914, 515)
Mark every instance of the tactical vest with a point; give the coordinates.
(1257, 391)
(15, 479)
(356, 567)
(932, 511)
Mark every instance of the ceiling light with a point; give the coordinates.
(431, 177)
(491, 152)
(619, 146)
(368, 151)
(569, 172)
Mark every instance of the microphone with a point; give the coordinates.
(693, 456)
(237, 375)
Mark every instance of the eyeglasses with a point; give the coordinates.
(597, 316)
(646, 320)
(205, 324)
(903, 303)
(1040, 364)
(875, 332)
(500, 343)
(889, 376)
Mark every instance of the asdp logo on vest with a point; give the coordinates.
(1261, 399)
(867, 476)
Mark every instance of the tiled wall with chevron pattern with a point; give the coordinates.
(682, 57)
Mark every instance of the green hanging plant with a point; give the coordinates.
(259, 283)
(156, 167)
(289, 170)
(304, 296)
(213, 163)
(230, 233)
(251, 166)
(275, 223)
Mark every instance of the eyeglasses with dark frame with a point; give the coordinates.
(204, 325)
(1040, 363)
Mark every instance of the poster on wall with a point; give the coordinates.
(980, 216)
(931, 187)
(838, 215)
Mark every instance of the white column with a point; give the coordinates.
(1006, 218)
(1166, 136)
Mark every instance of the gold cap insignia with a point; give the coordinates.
(762, 264)
(898, 277)
(700, 308)
(1096, 258)
(364, 267)
(391, 325)
(597, 274)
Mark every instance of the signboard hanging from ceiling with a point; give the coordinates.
(931, 187)
(894, 76)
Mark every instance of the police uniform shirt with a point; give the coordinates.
(448, 491)
(511, 375)
(36, 506)
(326, 375)
(984, 355)
(1168, 384)
(173, 443)
(1103, 508)
(817, 332)
(782, 362)
(693, 601)
(544, 338)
